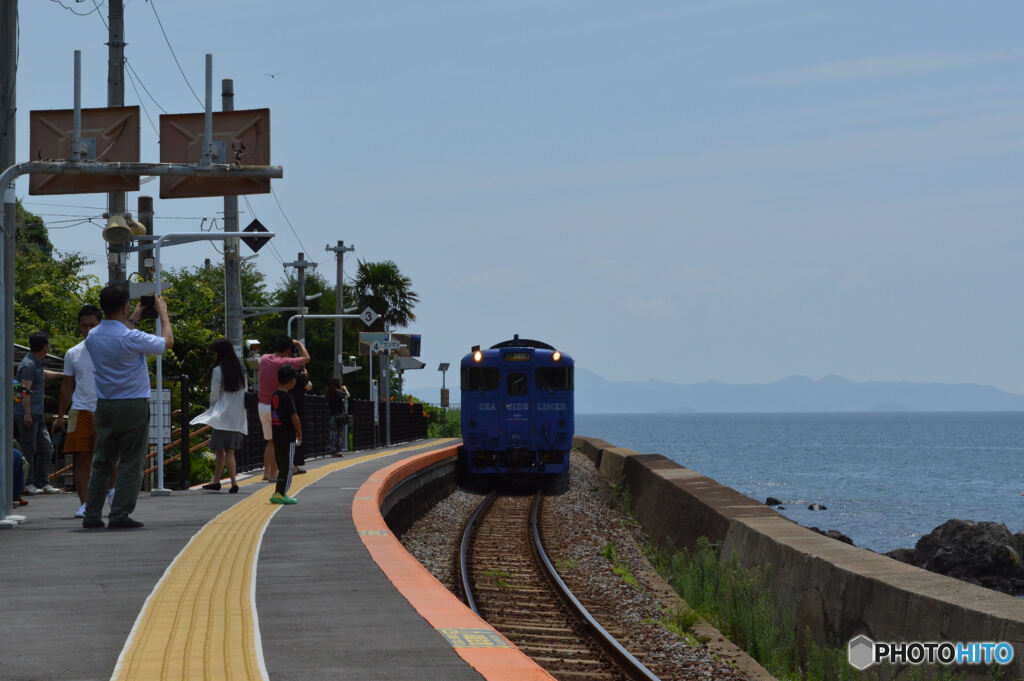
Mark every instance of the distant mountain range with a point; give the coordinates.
(598, 395)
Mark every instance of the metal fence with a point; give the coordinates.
(407, 423)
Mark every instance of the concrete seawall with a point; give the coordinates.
(834, 590)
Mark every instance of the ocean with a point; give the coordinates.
(886, 478)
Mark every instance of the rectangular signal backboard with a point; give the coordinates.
(110, 135)
(239, 137)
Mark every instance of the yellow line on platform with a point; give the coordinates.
(200, 621)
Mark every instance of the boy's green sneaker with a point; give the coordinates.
(276, 498)
(289, 500)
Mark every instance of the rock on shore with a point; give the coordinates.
(982, 553)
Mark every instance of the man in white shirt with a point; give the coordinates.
(78, 391)
(118, 352)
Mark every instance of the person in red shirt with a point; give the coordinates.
(266, 380)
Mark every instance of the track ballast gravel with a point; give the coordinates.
(577, 526)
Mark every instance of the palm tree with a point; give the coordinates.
(382, 287)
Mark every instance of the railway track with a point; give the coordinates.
(508, 580)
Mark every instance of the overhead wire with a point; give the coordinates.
(81, 14)
(131, 80)
(132, 69)
(144, 109)
(50, 225)
(297, 238)
(273, 248)
(61, 205)
(152, 4)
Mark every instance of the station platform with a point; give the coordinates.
(230, 586)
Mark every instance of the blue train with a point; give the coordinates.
(517, 409)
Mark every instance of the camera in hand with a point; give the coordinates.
(148, 307)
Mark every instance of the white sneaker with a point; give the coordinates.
(31, 489)
(80, 513)
(110, 497)
(50, 489)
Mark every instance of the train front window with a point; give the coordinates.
(554, 378)
(517, 385)
(480, 378)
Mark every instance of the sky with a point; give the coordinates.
(737, 190)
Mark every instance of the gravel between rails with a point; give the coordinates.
(577, 526)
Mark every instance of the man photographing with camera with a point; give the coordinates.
(121, 421)
(267, 383)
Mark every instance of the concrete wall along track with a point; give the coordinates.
(834, 590)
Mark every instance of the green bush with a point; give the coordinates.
(440, 424)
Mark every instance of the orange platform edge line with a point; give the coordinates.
(425, 593)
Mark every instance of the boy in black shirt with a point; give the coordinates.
(287, 430)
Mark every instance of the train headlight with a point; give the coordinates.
(477, 356)
(557, 356)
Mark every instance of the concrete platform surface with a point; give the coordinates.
(215, 586)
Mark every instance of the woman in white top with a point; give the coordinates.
(226, 415)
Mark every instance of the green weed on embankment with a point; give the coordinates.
(738, 602)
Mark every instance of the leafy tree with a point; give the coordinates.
(195, 304)
(381, 286)
(49, 285)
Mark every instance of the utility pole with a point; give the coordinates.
(8, 79)
(232, 275)
(146, 256)
(301, 264)
(339, 307)
(116, 267)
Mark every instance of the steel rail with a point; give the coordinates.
(633, 667)
(464, 549)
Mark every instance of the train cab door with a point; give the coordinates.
(516, 414)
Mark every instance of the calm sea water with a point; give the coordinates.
(887, 479)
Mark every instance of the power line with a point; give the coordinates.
(62, 215)
(144, 109)
(61, 205)
(132, 69)
(168, 41)
(274, 194)
(100, 14)
(81, 14)
(273, 248)
(75, 224)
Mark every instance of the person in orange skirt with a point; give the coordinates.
(78, 391)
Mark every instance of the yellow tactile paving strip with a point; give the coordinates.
(200, 620)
